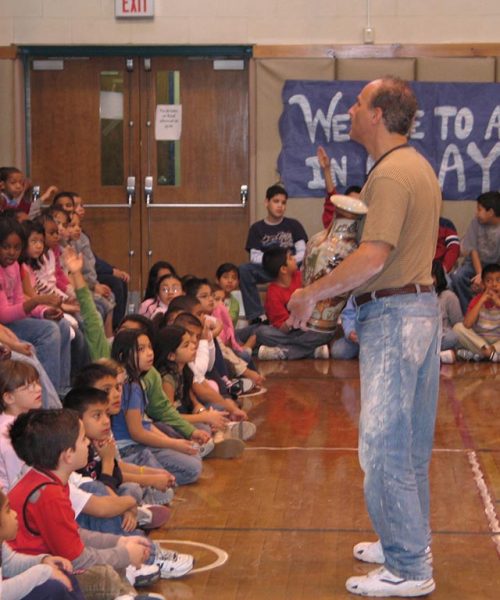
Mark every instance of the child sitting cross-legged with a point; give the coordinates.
(175, 349)
(108, 376)
(479, 334)
(278, 340)
(102, 467)
(53, 443)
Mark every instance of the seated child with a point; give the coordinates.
(138, 440)
(274, 230)
(16, 192)
(448, 245)
(175, 349)
(158, 270)
(53, 444)
(479, 334)
(102, 467)
(167, 288)
(278, 340)
(451, 312)
(39, 577)
(228, 277)
(109, 377)
(228, 335)
(34, 319)
(481, 245)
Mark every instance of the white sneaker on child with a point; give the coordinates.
(447, 357)
(173, 564)
(271, 353)
(143, 576)
(152, 516)
(322, 352)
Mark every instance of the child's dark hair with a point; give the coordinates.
(153, 276)
(80, 399)
(274, 190)
(124, 350)
(56, 209)
(13, 375)
(227, 268)
(192, 286)
(490, 201)
(6, 172)
(186, 320)
(90, 374)
(438, 272)
(30, 227)
(40, 436)
(169, 339)
(57, 197)
(490, 269)
(9, 226)
(274, 259)
(160, 282)
(145, 324)
(180, 304)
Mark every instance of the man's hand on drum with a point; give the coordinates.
(301, 306)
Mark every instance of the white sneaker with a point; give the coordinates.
(447, 357)
(271, 353)
(372, 552)
(143, 576)
(226, 448)
(322, 352)
(468, 355)
(240, 430)
(173, 564)
(381, 582)
(206, 448)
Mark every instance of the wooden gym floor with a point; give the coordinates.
(289, 511)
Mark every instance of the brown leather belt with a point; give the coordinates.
(412, 288)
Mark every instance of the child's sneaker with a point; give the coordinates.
(322, 352)
(464, 354)
(206, 448)
(152, 516)
(271, 353)
(241, 430)
(381, 582)
(143, 576)
(447, 357)
(173, 564)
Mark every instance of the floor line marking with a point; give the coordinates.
(338, 449)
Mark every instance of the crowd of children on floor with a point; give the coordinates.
(148, 396)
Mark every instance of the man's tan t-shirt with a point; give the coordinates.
(404, 201)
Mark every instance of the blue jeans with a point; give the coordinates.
(399, 339)
(250, 275)
(55, 590)
(185, 467)
(297, 343)
(52, 344)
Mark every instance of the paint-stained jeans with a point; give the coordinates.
(399, 363)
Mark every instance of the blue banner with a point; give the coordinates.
(457, 128)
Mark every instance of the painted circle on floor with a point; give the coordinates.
(257, 392)
(221, 556)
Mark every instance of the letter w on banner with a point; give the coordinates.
(457, 128)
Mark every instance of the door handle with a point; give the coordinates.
(130, 190)
(148, 189)
(244, 195)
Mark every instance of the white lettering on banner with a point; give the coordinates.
(484, 162)
(493, 123)
(445, 113)
(452, 161)
(339, 172)
(312, 123)
(417, 121)
(464, 122)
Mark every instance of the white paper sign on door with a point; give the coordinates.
(168, 122)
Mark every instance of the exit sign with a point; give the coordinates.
(134, 8)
